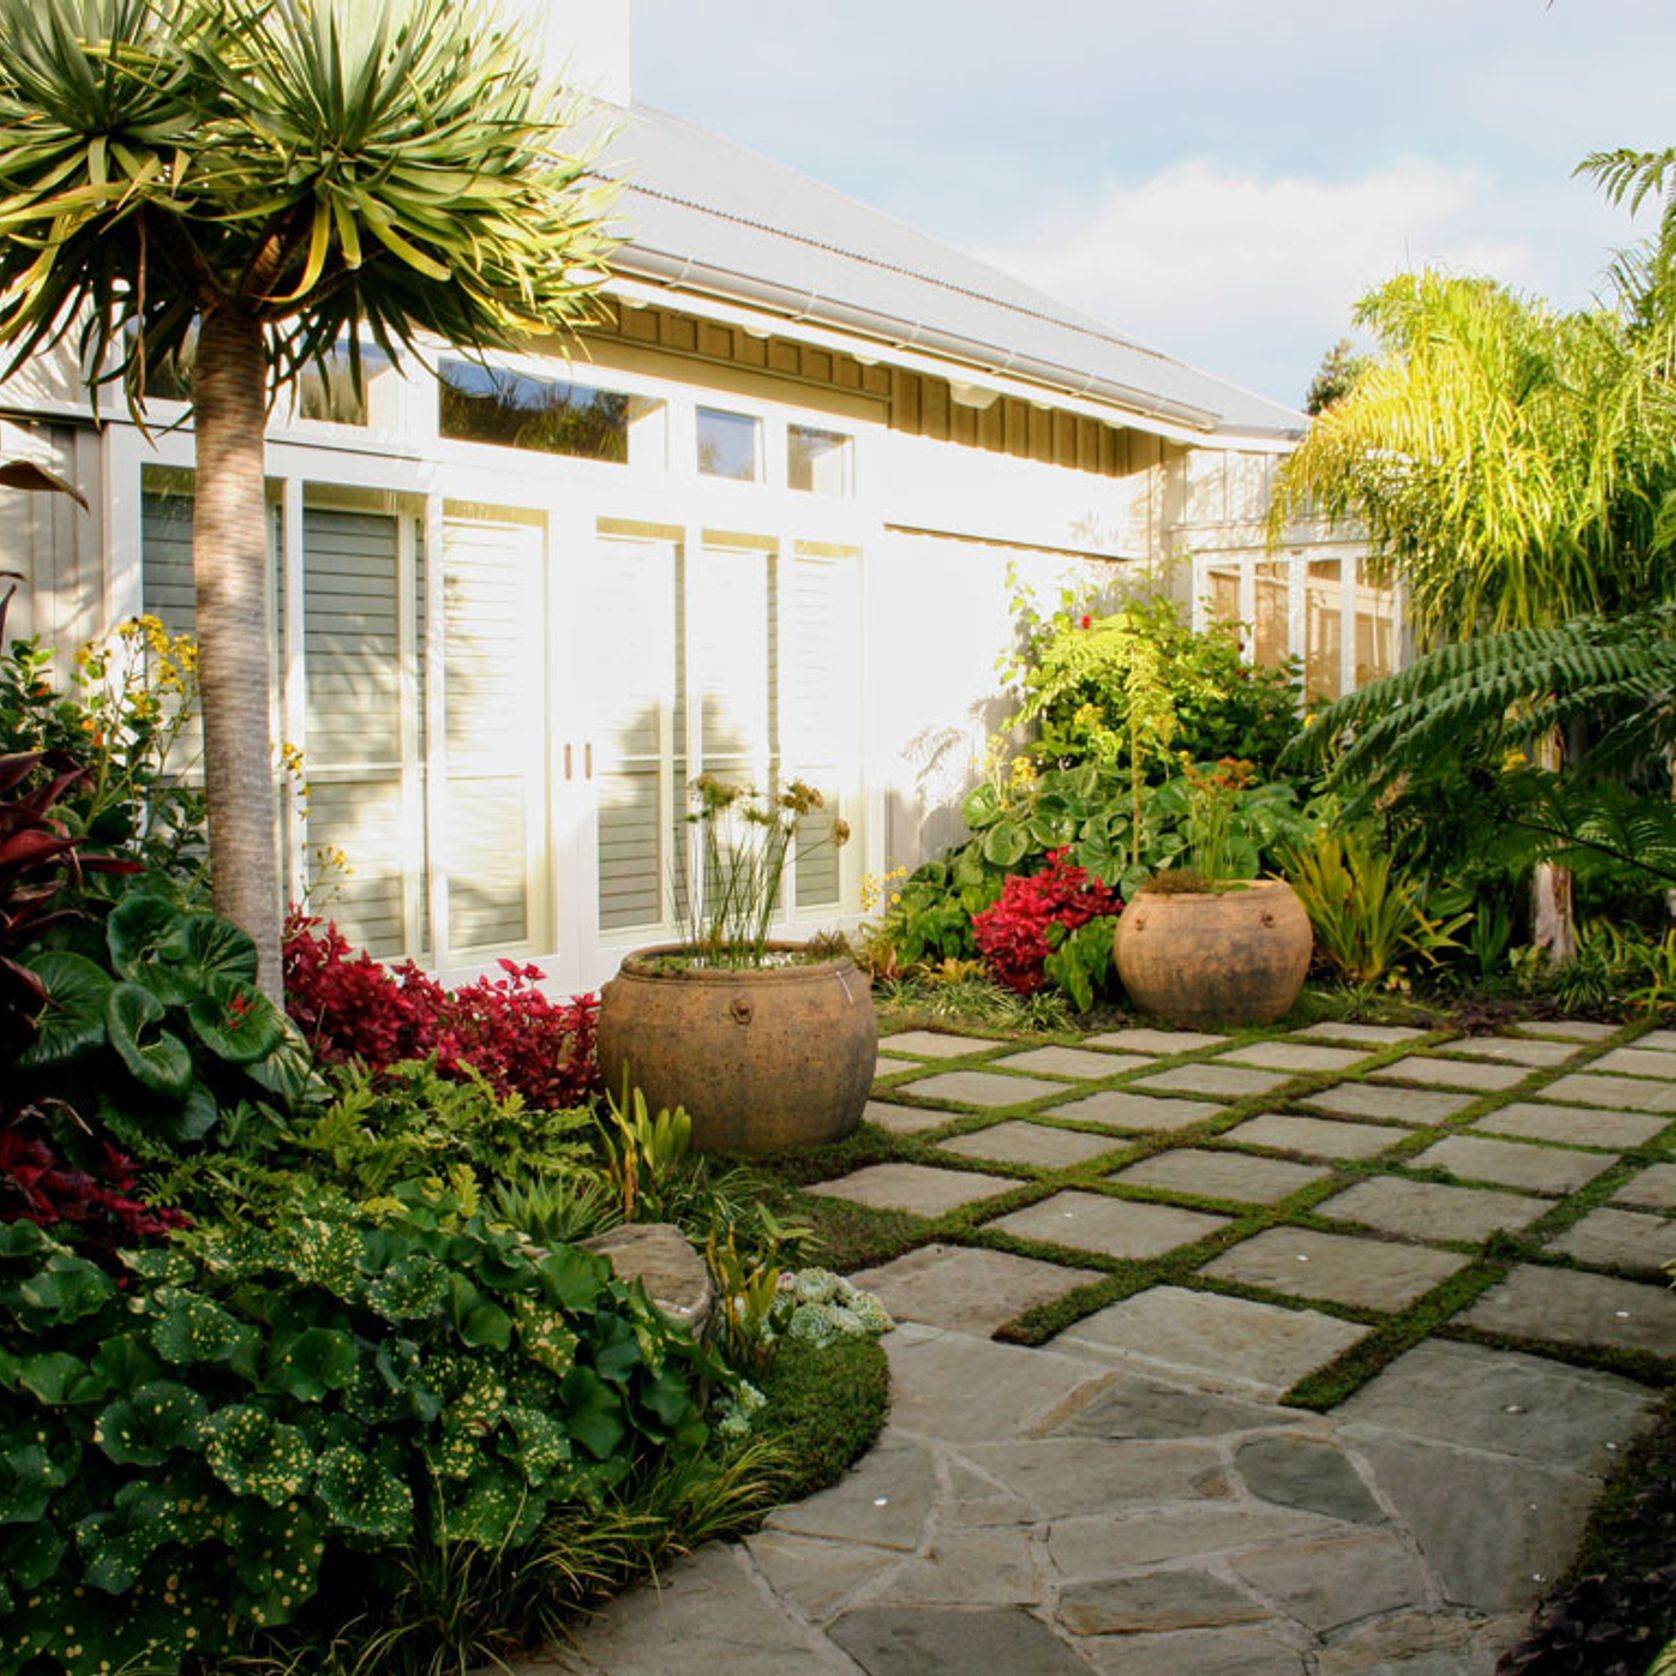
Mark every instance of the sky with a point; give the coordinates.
(1218, 179)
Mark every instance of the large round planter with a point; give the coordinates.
(762, 1058)
(1215, 958)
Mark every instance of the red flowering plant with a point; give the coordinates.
(1051, 927)
(353, 1008)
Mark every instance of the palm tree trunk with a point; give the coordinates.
(1553, 922)
(230, 567)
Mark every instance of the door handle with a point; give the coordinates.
(567, 765)
(588, 760)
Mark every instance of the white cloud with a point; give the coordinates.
(1253, 278)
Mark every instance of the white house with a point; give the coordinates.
(763, 524)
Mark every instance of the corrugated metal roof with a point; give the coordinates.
(701, 211)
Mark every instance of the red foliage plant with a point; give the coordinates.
(1012, 933)
(37, 1185)
(353, 1007)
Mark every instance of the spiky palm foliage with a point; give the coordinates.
(237, 187)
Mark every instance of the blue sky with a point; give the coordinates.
(1217, 178)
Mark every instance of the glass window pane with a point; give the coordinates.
(727, 445)
(1222, 595)
(818, 461)
(1376, 631)
(1324, 630)
(1273, 639)
(328, 392)
(549, 416)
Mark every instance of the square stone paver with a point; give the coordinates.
(1568, 1029)
(1220, 1175)
(1123, 1110)
(1505, 1403)
(1319, 1137)
(1513, 1050)
(1292, 1056)
(1663, 1040)
(1225, 1343)
(1368, 1274)
(1534, 1169)
(1452, 1073)
(1567, 1307)
(1634, 1094)
(1360, 1035)
(1113, 1227)
(1427, 1210)
(981, 1088)
(1653, 1189)
(968, 1290)
(1620, 1239)
(905, 1120)
(1141, 1039)
(1572, 1125)
(1225, 1082)
(1421, 1108)
(1638, 1062)
(885, 1066)
(914, 1187)
(1072, 1062)
(1017, 1142)
(932, 1044)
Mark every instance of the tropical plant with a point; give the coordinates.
(746, 842)
(1508, 463)
(1368, 916)
(643, 1151)
(232, 191)
(1052, 926)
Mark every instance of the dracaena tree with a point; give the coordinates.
(233, 190)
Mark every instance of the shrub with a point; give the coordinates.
(1054, 924)
(352, 1007)
(183, 1455)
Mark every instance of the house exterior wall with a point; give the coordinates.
(503, 665)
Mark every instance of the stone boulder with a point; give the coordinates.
(657, 1254)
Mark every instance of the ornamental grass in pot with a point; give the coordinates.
(1201, 947)
(767, 1044)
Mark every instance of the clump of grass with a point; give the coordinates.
(825, 1408)
(973, 1000)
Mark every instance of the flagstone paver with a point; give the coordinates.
(1568, 1029)
(1419, 1107)
(1131, 1499)
(1111, 1226)
(1638, 1062)
(1653, 1189)
(1292, 1056)
(1140, 1039)
(1124, 1110)
(1573, 1125)
(932, 1044)
(1072, 1062)
(966, 1288)
(1336, 1268)
(1514, 1050)
(1533, 1169)
(1222, 1343)
(886, 1066)
(1468, 1074)
(1636, 1094)
(905, 1120)
(1427, 1210)
(1361, 1035)
(1619, 1239)
(1320, 1137)
(1568, 1307)
(1020, 1142)
(980, 1088)
(915, 1187)
(1225, 1082)
(1220, 1175)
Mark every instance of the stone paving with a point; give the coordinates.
(1219, 1223)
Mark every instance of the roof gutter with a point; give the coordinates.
(685, 273)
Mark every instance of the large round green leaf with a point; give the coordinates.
(311, 1363)
(145, 934)
(146, 1428)
(116, 1545)
(1005, 843)
(161, 1063)
(236, 1021)
(363, 1497)
(254, 1455)
(216, 949)
(73, 1021)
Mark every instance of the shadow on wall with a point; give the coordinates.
(945, 763)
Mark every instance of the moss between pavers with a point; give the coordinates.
(855, 1236)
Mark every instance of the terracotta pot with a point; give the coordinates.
(762, 1058)
(1215, 958)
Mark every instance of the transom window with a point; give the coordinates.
(729, 445)
(545, 415)
(817, 461)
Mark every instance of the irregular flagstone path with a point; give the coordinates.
(1135, 1497)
